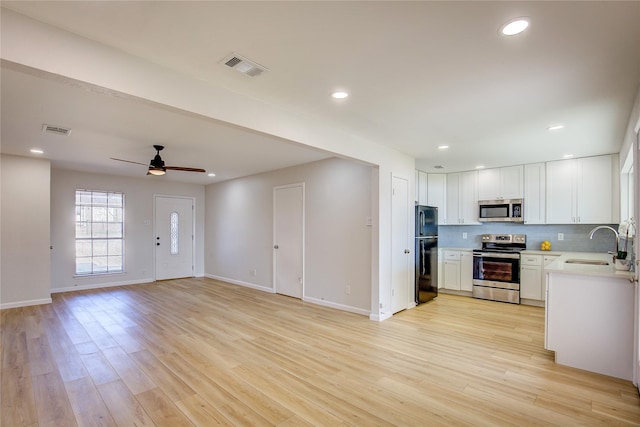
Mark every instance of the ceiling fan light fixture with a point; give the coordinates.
(157, 171)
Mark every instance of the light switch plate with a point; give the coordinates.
(560, 236)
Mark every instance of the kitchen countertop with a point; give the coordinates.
(539, 252)
(560, 265)
(458, 249)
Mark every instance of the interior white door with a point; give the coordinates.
(400, 245)
(288, 240)
(174, 237)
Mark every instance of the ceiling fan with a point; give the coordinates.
(157, 166)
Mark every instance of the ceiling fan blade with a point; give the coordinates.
(180, 168)
(129, 161)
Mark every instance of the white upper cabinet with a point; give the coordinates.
(421, 184)
(534, 193)
(582, 190)
(431, 190)
(436, 194)
(462, 198)
(500, 183)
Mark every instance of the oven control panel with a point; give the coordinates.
(504, 238)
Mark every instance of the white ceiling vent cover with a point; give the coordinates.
(244, 65)
(58, 130)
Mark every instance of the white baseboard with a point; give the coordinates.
(241, 283)
(100, 285)
(25, 303)
(336, 305)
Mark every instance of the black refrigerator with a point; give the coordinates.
(426, 253)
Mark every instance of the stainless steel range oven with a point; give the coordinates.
(496, 267)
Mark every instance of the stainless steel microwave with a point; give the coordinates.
(501, 210)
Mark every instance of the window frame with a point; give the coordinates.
(104, 209)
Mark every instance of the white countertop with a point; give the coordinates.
(539, 252)
(561, 266)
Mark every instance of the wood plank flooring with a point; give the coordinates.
(206, 353)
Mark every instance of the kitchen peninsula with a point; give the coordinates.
(589, 314)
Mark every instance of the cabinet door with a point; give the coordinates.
(560, 192)
(469, 198)
(534, 193)
(511, 182)
(422, 188)
(453, 198)
(489, 184)
(436, 194)
(594, 200)
(530, 279)
(452, 275)
(466, 271)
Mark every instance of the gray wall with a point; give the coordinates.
(338, 248)
(139, 234)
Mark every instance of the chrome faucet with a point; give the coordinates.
(608, 228)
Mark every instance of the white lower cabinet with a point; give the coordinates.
(532, 278)
(457, 269)
(451, 270)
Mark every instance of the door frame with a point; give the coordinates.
(410, 302)
(193, 230)
(273, 239)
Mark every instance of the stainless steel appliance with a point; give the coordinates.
(503, 210)
(426, 253)
(496, 267)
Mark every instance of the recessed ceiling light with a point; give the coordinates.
(37, 151)
(442, 147)
(515, 26)
(480, 167)
(212, 174)
(568, 156)
(339, 94)
(555, 127)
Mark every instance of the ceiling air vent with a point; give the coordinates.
(244, 65)
(58, 130)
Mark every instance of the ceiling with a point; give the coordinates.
(419, 74)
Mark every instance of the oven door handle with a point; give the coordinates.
(496, 255)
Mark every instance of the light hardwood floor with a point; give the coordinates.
(201, 352)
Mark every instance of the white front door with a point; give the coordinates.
(174, 237)
(400, 244)
(288, 239)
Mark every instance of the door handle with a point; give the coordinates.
(407, 251)
(275, 246)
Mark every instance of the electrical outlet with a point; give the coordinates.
(560, 236)
(347, 289)
(253, 272)
(464, 235)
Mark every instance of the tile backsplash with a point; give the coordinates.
(576, 237)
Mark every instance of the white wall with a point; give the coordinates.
(25, 261)
(338, 243)
(139, 238)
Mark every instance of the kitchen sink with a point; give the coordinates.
(586, 261)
